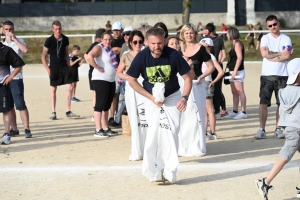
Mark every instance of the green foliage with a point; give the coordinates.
(35, 45)
(282, 23)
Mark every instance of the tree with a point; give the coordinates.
(186, 9)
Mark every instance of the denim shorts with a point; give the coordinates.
(268, 84)
(209, 90)
(292, 143)
(17, 91)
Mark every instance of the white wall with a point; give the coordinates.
(94, 22)
(171, 20)
(250, 13)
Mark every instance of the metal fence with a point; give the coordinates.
(39, 9)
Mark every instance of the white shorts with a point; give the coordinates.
(241, 75)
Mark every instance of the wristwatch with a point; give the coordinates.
(185, 97)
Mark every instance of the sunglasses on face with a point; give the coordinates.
(270, 26)
(139, 41)
(127, 34)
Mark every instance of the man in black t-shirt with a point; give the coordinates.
(159, 65)
(56, 47)
(8, 57)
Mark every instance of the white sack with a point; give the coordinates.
(158, 92)
(139, 126)
(192, 140)
(160, 154)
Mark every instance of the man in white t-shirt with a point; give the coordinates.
(275, 49)
(17, 85)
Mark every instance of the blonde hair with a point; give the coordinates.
(185, 28)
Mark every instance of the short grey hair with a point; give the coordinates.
(155, 32)
(234, 34)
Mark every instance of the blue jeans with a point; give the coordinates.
(17, 91)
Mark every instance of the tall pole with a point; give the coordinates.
(186, 9)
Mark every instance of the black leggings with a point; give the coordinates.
(105, 92)
(219, 98)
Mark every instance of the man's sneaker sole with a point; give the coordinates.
(100, 136)
(258, 187)
(279, 137)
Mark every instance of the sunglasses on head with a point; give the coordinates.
(270, 26)
(137, 41)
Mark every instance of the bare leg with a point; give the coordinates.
(6, 121)
(69, 90)
(211, 115)
(53, 97)
(113, 106)
(241, 94)
(235, 96)
(13, 119)
(276, 169)
(97, 119)
(257, 45)
(104, 119)
(25, 118)
(74, 89)
(263, 115)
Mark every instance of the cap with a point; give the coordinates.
(127, 29)
(293, 69)
(208, 41)
(117, 26)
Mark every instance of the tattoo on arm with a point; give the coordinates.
(272, 52)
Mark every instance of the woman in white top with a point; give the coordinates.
(210, 112)
(104, 61)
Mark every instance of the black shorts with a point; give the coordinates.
(6, 99)
(61, 75)
(268, 84)
(105, 92)
(75, 74)
(90, 78)
(259, 37)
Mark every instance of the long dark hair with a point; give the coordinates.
(164, 27)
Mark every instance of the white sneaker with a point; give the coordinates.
(5, 139)
(240, 115)
(210, 136)
(218, 116)
(231, 115)
(261, 134)
(279, 134)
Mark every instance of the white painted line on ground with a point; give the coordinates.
(182, 167)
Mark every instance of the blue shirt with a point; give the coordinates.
(163, 69)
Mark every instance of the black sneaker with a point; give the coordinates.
(263, 188)
(112, 123)
(100, 134)
(14, 133)
(110, 132)
(28, 133)
(298, 192)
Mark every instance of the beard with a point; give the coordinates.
(157, 52)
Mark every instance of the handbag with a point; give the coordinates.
(227, 73)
